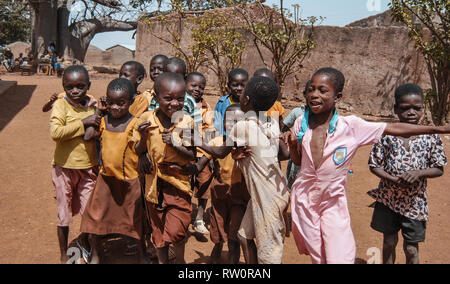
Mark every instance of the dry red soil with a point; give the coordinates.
(28, 207)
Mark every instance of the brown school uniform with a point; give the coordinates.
(116, 205)
(140, 105)
(203, 179)
(229, 198)
(168, 196)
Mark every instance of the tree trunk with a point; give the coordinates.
(50, 22)
(44, 24)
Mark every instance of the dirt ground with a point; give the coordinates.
(28, 205)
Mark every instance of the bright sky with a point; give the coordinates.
(336, 12)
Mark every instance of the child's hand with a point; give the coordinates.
(144, 164)
(289, 138)
(171, 169)
(102, 105)
(54, 97)
(241, 153)
(93, 120)
(167, 137)
(144, 128)
(411, 177)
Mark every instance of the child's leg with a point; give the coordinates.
(163, 255)
(216, 253)
(234, 252)
(413, 232)
(411, 252)
(201, 209)
(250, 251)
(63, 238)
(179, 249)
(389, 245)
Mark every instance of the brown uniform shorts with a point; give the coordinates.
(171, 218)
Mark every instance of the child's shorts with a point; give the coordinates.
(202, 183)
(170, 222)
(73, 189)
(386, 221)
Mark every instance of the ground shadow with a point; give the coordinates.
(14, 102)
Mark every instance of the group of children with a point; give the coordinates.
(131, 162)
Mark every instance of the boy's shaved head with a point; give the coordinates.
(262, 92)
(336, 76)
(160, 57)
(265, 73)
(235, 72)
(176, 65)
(121, 84)
(167, 78)
(76, 69)
(137, 66)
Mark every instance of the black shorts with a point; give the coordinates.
(386, 221)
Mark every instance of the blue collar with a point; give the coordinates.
(305, 124)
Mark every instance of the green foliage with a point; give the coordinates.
(428, 22)
(289, 42)
(15, 23)
(216, 44)
(214, 36)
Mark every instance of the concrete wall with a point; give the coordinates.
(374, 61)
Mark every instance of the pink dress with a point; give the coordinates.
(321, 220)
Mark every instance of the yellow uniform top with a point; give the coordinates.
(140, 105)
(118, 154)
(228, 170)
(160, 152)
(67, 130)
(207, 116)
(277, 107)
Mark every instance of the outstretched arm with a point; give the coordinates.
(218, 152)
(407, 129)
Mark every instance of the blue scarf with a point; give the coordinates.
(305, 124)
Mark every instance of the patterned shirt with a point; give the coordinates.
(390, 154)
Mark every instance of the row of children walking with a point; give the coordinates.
(158, 149)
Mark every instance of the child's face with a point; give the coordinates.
(409, 108)
(171, 98)
(237, 85)
(156, 68)
(76, 85)
(131, 74)
(321, 96)
(118, 102)
(195, 87)
(232, 116)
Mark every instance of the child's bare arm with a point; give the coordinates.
(381, 173)
(48, 106)
(407, 129)
(91, 133)
(141, 145)
(202, 163)
(283, 152)
(188, 153)
(218, 152)
(291, 140)
(414, 176)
